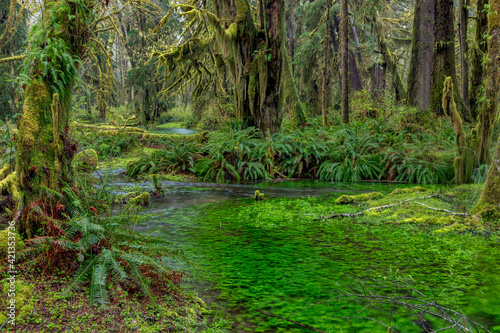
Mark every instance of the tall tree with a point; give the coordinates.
(13, 35)
(463, 21)
(254, 54)
(443, 61)
(473, 149)
(489, 203)
(478, 52)
(43, 153)
(326, 50)
(419, 75)
(344, 33)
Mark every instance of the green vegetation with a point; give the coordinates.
(373, 150)
(277, 148)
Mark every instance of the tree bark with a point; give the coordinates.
(488, 206)
(344, 34)
(390, 61)
(479, 49)
(419, 75)
(488, 113)
(325, 66)
(478, 142)
(463, 19)
(443, 61)
(355, 83)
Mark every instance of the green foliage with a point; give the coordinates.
(372, 150)
(9, 87)
(103, 243)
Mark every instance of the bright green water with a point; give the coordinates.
(272, 257)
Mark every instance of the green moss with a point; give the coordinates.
(81, 161)
(258, 195)
(142, 199)
(4, 241)
(349, 199)
(24, 301)
(415, 189)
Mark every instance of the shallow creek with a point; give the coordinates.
(257, 261)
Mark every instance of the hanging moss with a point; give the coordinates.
(464, 161)
(81, 161)
(9, 186)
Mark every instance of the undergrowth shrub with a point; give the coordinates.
(375, 149)
(84, 236)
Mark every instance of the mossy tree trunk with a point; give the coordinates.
(478, 51)
(443, 61)
(419, 75)
(488, 112)
(355, 82)
(43, 153)
(463, 19)
(478, 142)
(257, 62)
(390, 59)
(488, 206)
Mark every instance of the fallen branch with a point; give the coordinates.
(443, 210)
(377, 208)
(292, 321)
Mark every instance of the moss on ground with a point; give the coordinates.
(4, 242)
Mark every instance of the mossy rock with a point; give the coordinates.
(4, 241)
(349, 199)
(142, 199)
(24, 301)
(81, 161)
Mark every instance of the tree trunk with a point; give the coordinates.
(291, 31)
(488, 112)
(478, 51)
(463, 19)
(443, 61)
(43, 153)
(419, 76)
(390, 61)
(488, 206)
(344, 35)
(478, 142)
(355, 83)
(377, 82)
(325, 66)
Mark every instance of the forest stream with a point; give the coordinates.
(255, 261)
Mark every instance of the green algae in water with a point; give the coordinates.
(273, 257)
